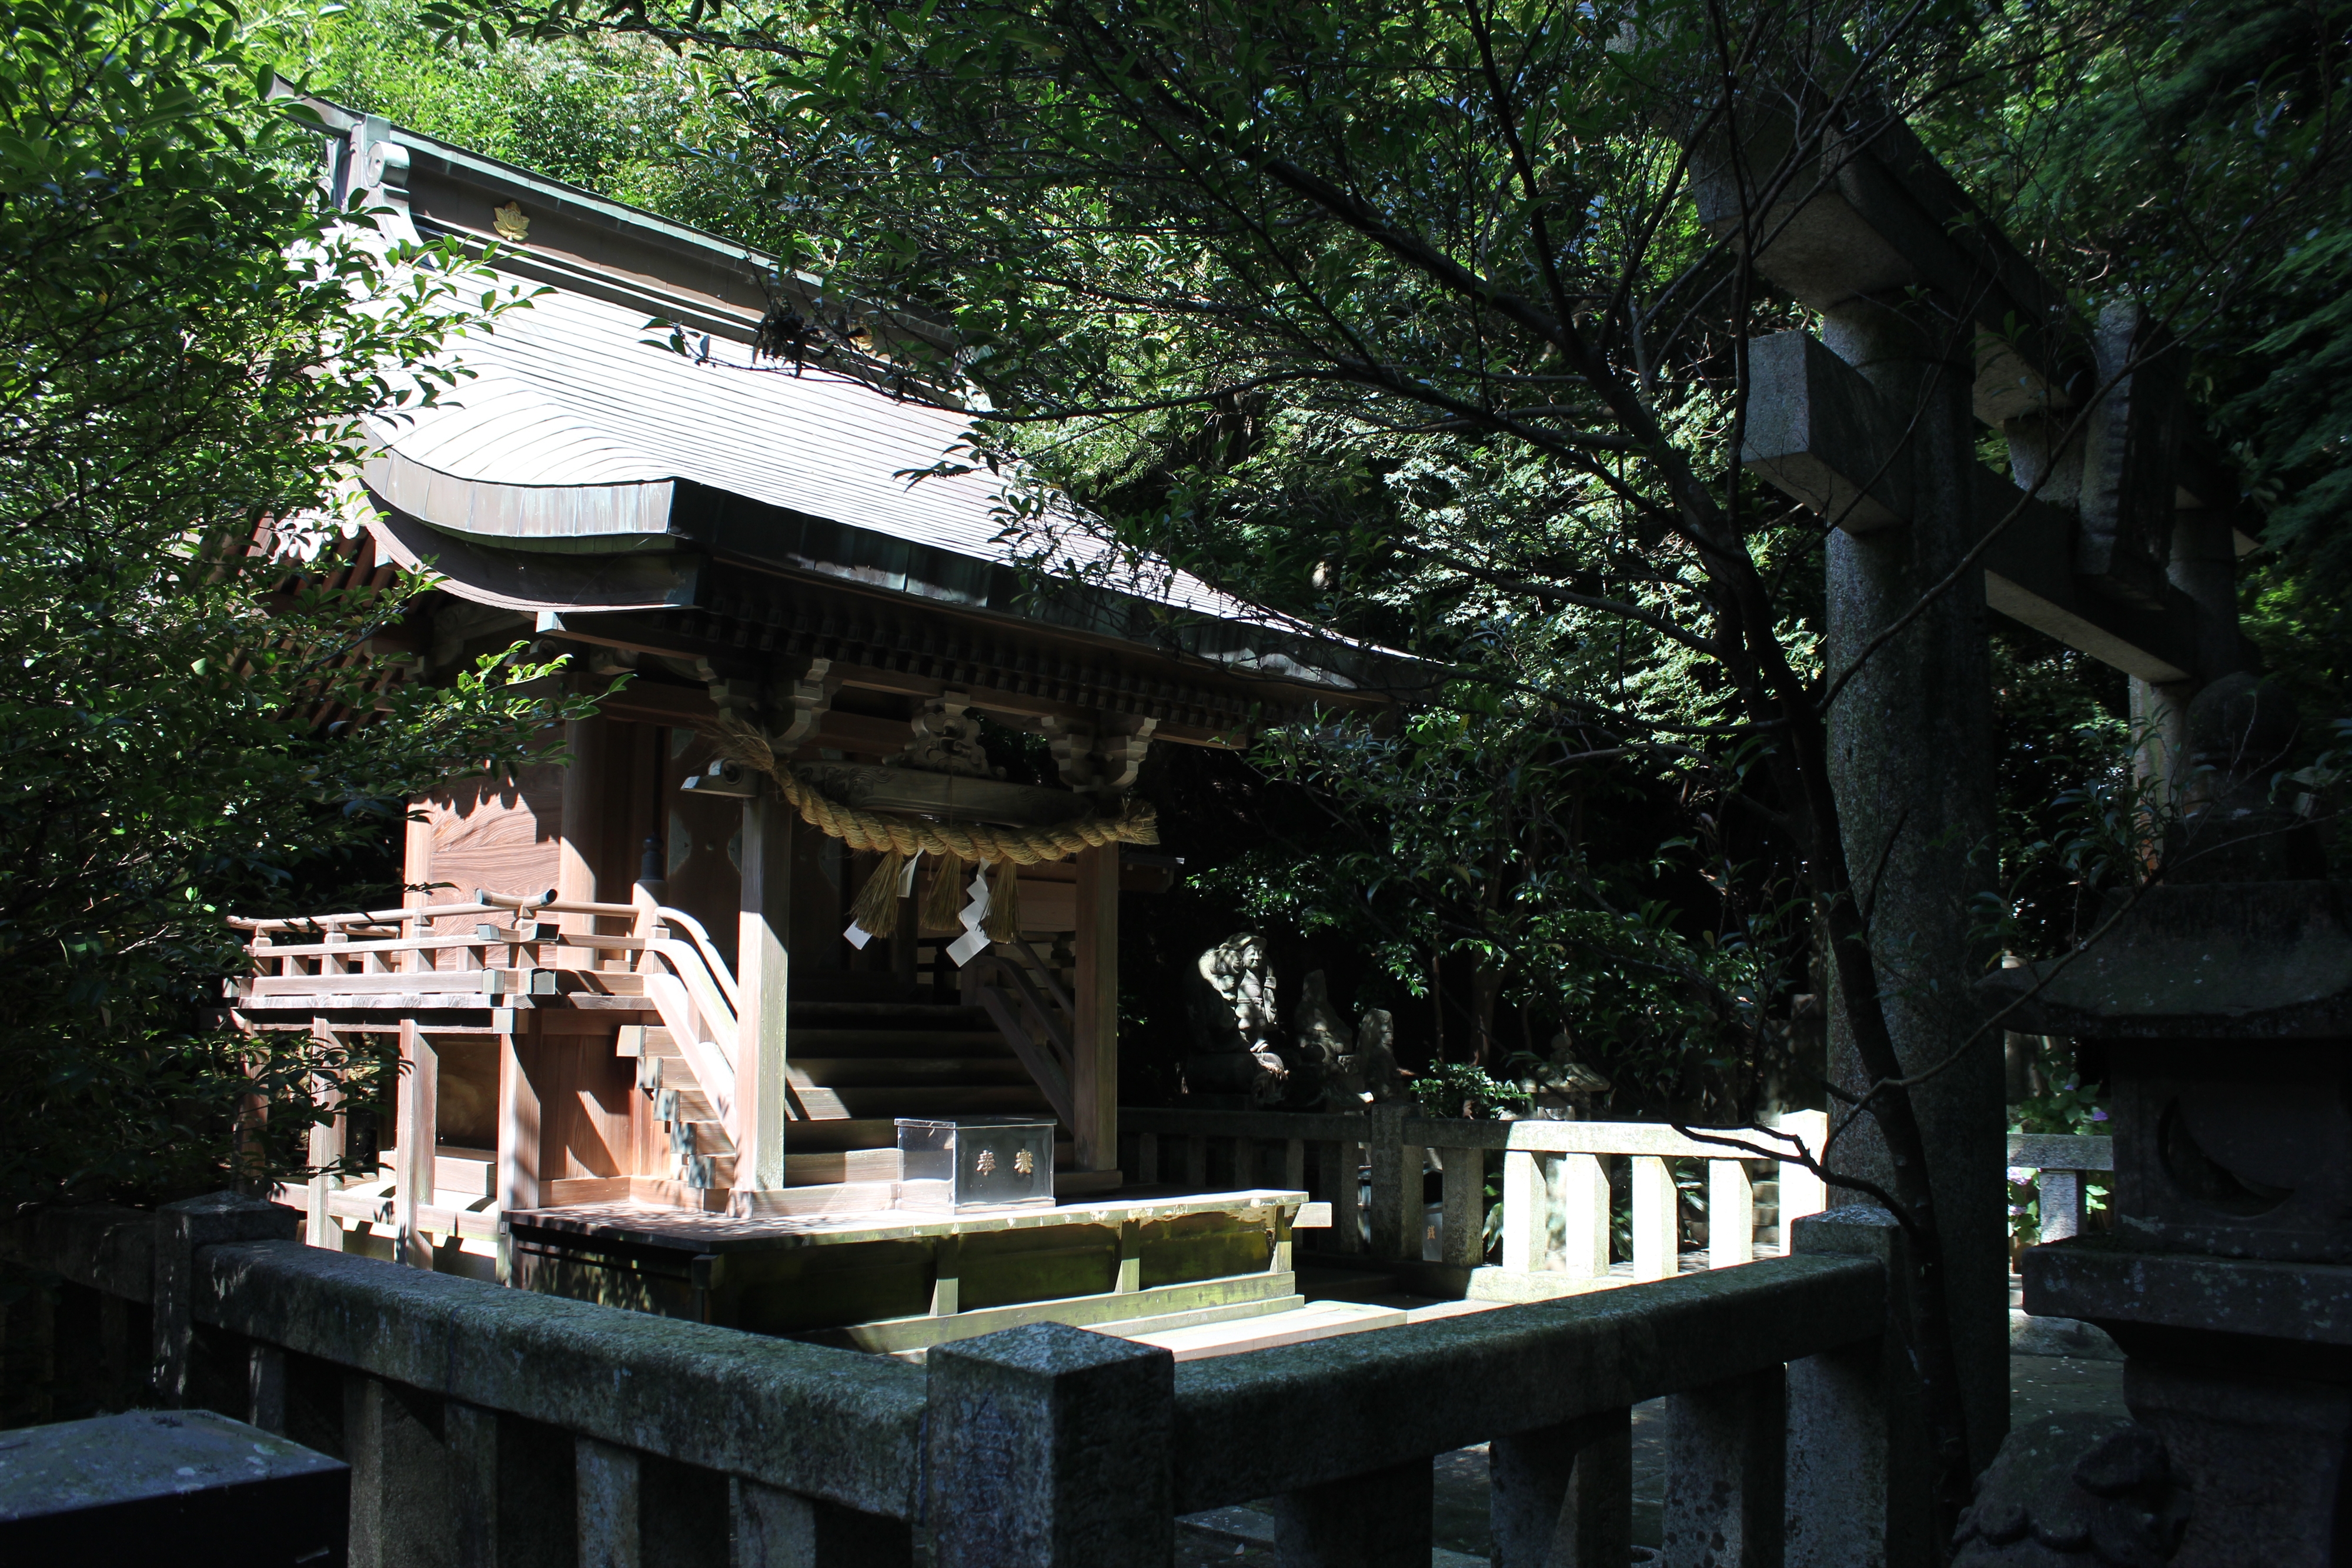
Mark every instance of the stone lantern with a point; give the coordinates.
(2220, 1000)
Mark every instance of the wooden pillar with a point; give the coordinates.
(582, 834)
(419, 1132)
(1094, 1077)
(328, 1146)
(764, 963)
(520, 1120)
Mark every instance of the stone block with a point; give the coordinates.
(1380, 1519)
(710, 1397)
(1820, 434)
(1049, 1446)
(180, 1230)
(1725, 1453)
(778, 1529)
(1353, 1404)
(1858, 1463)
(1561, 1496)
(190, 1488)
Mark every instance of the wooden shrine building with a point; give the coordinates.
(639, 1025)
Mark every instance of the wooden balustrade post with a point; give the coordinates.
(776, 1529)
(510, 1502)
(1293, 1165)
(1730, 1213)
(418, 1106)
(1584, 1215)
(763, 965)
(1657, 1228)
(328, 1145)
(640, 1511)
(2061, 1201)
(1048, 1447)
(392, 1439)
(1858, 1463)
(1562, 1497)
(1465, 1192)
(1094, 1031)
(1146, 1159)
(1726, 1454)
(1383, 1519)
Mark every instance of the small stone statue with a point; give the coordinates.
(1325, 1053)
(1231, 1002)
(2239, 730)
(2118, 1505)
(1376, 1064)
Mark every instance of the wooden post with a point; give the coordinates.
(1094, 1075)
(328, 1145)
(763, 965)
(419, 1132)
(520, 1120)
(583, 818)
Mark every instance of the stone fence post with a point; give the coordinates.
(1048, 1447)
(1857, 1446)
(180, 1229)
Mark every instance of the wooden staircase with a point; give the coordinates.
(701, 1154)
(853, 1068)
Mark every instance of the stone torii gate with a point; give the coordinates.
(1933, 325)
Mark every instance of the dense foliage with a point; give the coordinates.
(198, 711)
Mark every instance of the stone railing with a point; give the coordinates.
(2059, 1161)
(487, 1426)
(1554, 1191)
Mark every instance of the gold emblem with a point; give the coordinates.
(1023, 1161)
(987, 1161)
(512, 224)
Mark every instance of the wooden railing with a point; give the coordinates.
(400, 959)
(1554, 1188)
(2059, 1162)
(488, 1426)
(1030, 1007)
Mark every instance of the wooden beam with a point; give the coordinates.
(1094, 1076)
(763, 965)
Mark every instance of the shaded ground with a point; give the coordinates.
(2038, 1386)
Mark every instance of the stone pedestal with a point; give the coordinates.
(2221, 999)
